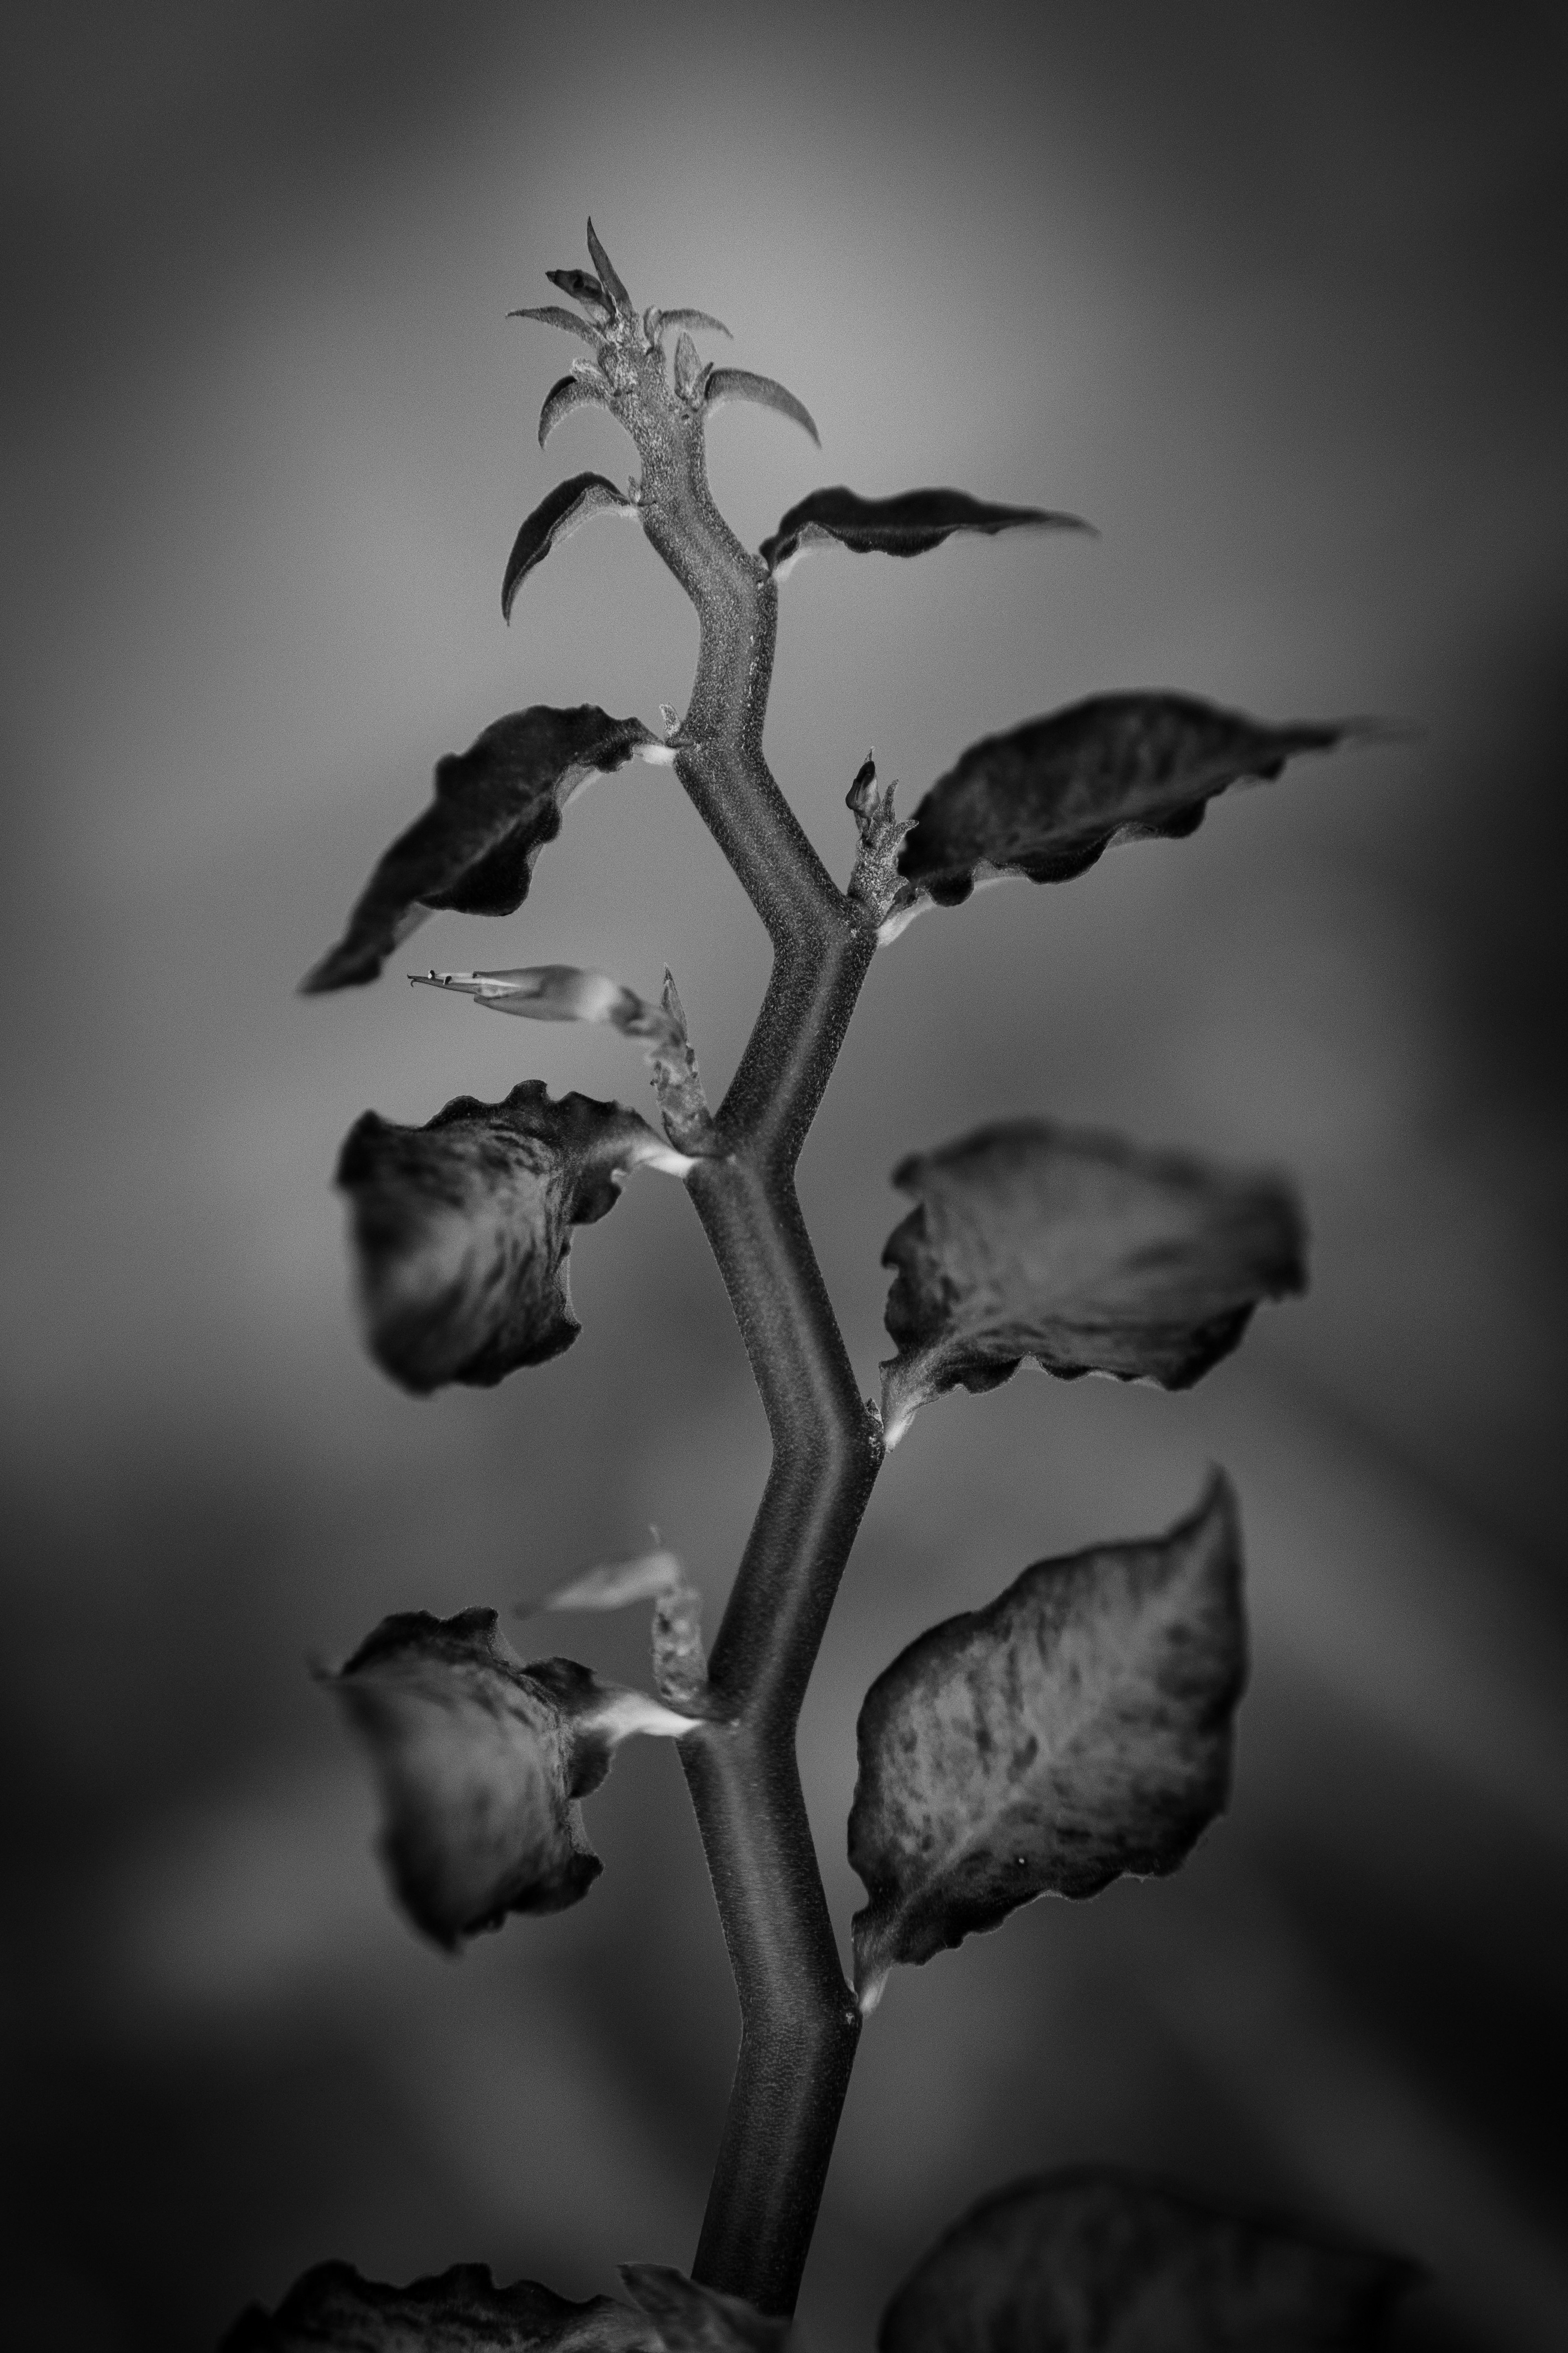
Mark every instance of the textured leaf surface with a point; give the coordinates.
(906, 524)
(480, 1762)
(740, 384)
(461, 2311)
(568, 504)
(559, 992)
(1080, 1252)
(1085, 2263)
(496, 806)
(461, 1227)
(693, 2319)
(1077, 1728)
(1047, 799)
(583, 388)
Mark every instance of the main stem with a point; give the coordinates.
(800, 2023)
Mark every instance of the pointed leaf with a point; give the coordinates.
(907, 525)
(618, 1584)
(680, 1661)
(568, 504)
(1077, 1728)
(496, 806)
(462, 1227)
(1048, 798)
(581, 288)
(704, 321)
(1080, 1252)
(609, 277)
(551, 315)
(740, 384)
(688, 367)
(333, 2310)
(693, 2319)
(1105, 2263)
(587, 391)
(481, 1761)
(559, 992)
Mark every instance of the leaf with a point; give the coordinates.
(481, 1761)
(618, 1584)
(906, 524)
(459, 2311)
(609, 278)
(462, 1227)
(1047, 799)
(1082, 1253)
(702, 320)
(1105, 2263)
(559, 992)
(679, 1662)
(581, 288)
(473, 850)
(740, 384)
(693, 2319)
(551, 314)
(1078, 1727)
(568, 504)
(574, 391)
(687, 367)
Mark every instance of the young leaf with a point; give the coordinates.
(1105, 2263)
(874, 884)
(583, 288)
(740, 384)
(693, 2319)
(1047, 799)
(609, 278)
(473, 850)
(1077, 1728)
(1080, 1252)
(679, 1662)
(551, 314)
(574, 391)
(704, 321)
(459, 2311)
(481, 1761)
(568, 504)
(906, 524)
(618, 1583)
(462, 1227)
(557, 992)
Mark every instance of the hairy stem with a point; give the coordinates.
(799, 2020)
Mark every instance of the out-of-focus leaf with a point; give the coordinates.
(333, 2310)
(693, 2319)
(874, 882)
(496, 806)
(740, 384)
(1105, 2263)
(609, 277)
(1049, 798)
(462, 1227)
(551, 314)
(568, 504)
(587, 390)
(906, 524)
(618, 1583)
(481, 1761)
(557, 992)
(581, 288)
(680, 1661)
(1080, 1252)
(1077, 1728)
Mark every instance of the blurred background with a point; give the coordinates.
(1275, 297)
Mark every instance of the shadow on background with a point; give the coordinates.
(1275, 297)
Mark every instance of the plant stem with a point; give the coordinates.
(800, 2023)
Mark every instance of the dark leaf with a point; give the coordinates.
(1047, 799)
(1080, 1252)
(462, 1227)
(702, 320)
(481, 1761)
(568, 504)
(693, 2319)
(496, 806)
(581, 288)
(740, 384)
(609, 277)
(907, 525)
(333, 2310)
(552, 315)
(588, 390)
(1103, 2262)
(1077, 1728)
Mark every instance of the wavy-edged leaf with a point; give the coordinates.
(462, 1227)
(694, 2319)
(588, 390)
(482, 1762)
(1082, 1253)
(331, 2309)
(609, 277)
(473, 850)
(702, 321)
(906, 524)
(1108, 2262)
(1047, 799)
(740, 384)
(551, 314)
(1077, 1728)
(568, 504)
(581, 288)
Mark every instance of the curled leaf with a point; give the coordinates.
(609, 278)
(676, 1080)
(473, 850)
(1082, 1253)
(482, 1762)
(740, 384)
(1077, 1728)
(1047, 799)
(694, 2319)
(906, 524)
(462, 1227)
(581, 288)
(568, 504)
(586, 390)
(459, 2311)
(558, 992)
(704, 321)
(1106, 2262)
(551, 314)
(874, 882)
